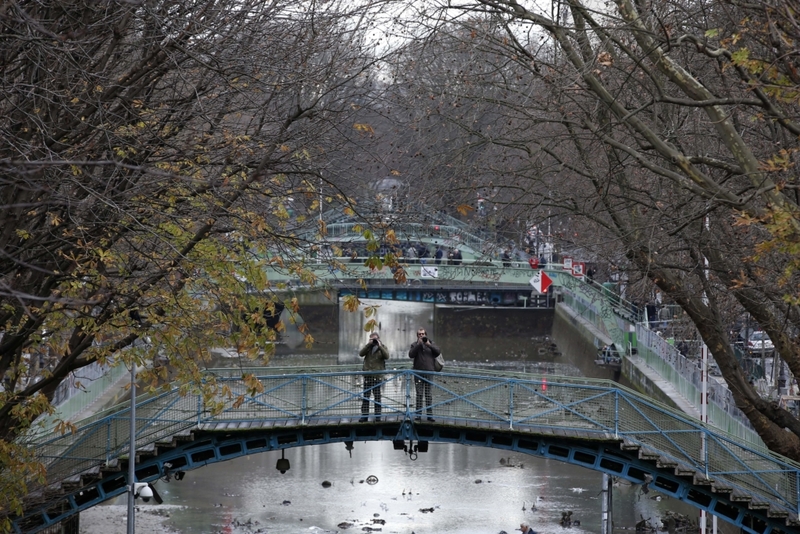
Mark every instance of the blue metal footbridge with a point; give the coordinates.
(591, 423)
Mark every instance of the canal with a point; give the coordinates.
(450, 489)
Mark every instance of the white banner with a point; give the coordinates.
(429, 272)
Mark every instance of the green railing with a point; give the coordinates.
(519, 273)
(87, 388)
(684, 375)
(451, 236)
(607, 313)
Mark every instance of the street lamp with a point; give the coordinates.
(132, 454)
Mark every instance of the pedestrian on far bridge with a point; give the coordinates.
(506, 258)
(424, 254)
(411, 253)
(439, 255)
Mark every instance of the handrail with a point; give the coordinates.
(660, 357)
(518, 402)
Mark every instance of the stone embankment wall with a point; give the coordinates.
(579, 342)
(452, 321)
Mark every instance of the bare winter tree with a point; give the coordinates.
(668, 129)
(150, 150)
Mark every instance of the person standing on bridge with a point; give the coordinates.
(424, 253)
(375, 355)
(423, 351)
(506, 258)
(411, 253)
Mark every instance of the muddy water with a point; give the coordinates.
(450, 489)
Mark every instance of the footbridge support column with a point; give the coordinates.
(607, 508)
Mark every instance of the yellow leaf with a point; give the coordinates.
(364, 128)
(605, 59)
(350, 303)
(464, 209)
(400, 276)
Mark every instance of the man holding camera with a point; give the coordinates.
(423, 352)
(375, 355)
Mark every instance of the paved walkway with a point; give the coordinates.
(663, 385)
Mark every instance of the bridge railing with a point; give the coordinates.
(347, 269)
(593, 409)
(599, 305)
(606, 312)
(686, 375)
(453, 236)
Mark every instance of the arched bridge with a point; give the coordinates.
(591, 423)
(336, 269)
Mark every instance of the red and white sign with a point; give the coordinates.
(567, 263)
(541, 281)
(578, 269)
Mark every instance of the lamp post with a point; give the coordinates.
(132, 454)
(704, 404)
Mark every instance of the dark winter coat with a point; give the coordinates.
(375, 356)
(423, 355)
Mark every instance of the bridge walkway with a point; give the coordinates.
(592, 423)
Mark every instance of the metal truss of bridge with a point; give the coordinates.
(482, 273)
(591, 423)
(479, 278)
(457, 295)
(472, 285)
(416, 223)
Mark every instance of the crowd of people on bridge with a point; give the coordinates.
(414, 253)
(441, 255)
(411, 253)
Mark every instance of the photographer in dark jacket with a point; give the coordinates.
(375, 355)
(423, 352)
